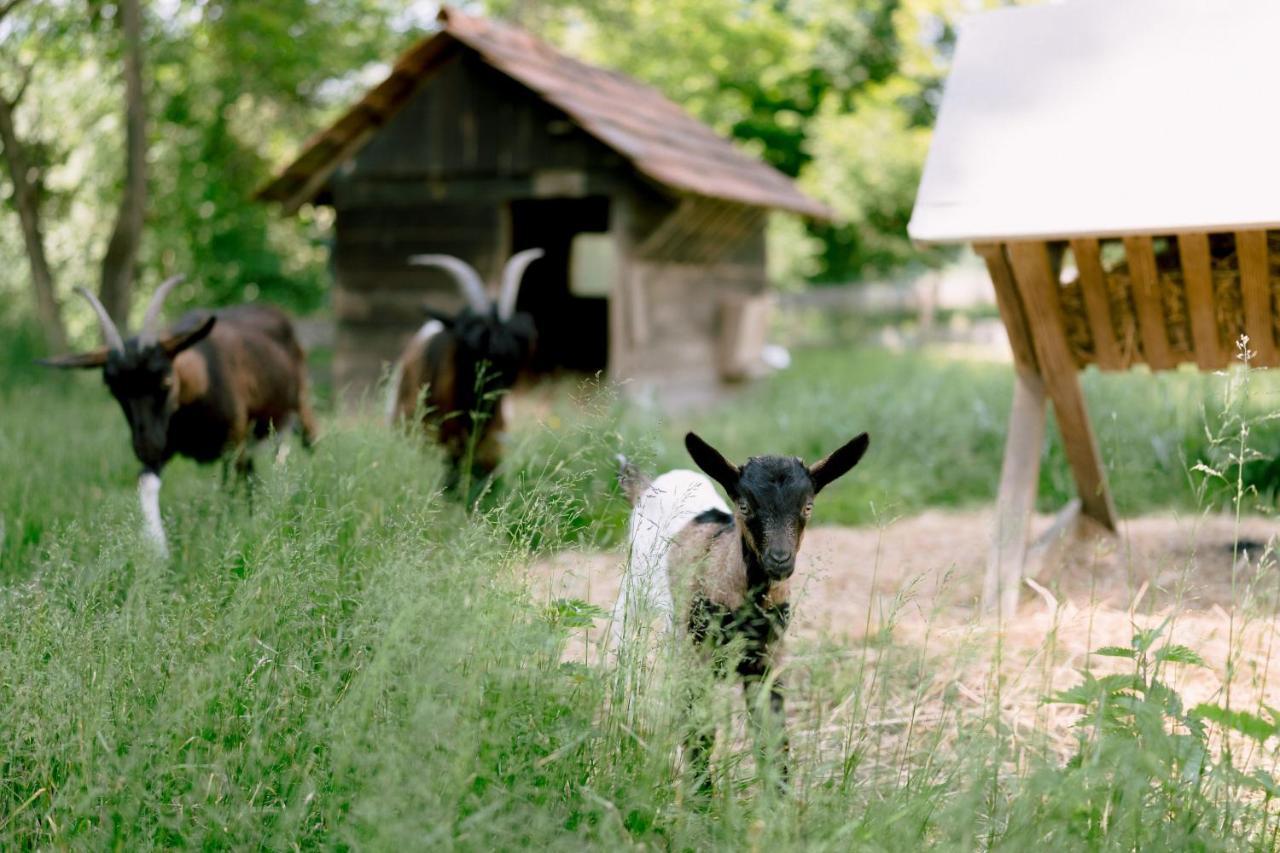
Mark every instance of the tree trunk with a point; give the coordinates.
(48, 312)
(118, 264)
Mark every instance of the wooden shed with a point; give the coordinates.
(483, 141)
(1115, 164)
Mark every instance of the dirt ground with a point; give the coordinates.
(922, 578)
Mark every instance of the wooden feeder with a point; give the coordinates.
(1117, 166)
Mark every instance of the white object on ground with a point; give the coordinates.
(775, 357)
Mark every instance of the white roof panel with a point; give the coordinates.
(1107, 117)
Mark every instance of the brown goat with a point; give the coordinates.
(459, 366)
(206, 389)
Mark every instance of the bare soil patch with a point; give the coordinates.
(915, 583)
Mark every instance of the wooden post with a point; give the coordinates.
(1197, 274)
(1016, 496)
(1106, 349)
(1019, 476)
(1145, 278)
(1255, 285)
(1037, 286)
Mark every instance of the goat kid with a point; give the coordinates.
(727, 570)
(203, 390)
(460, 365)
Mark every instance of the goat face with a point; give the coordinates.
(140, 375)
(773, 498)
(503, 346)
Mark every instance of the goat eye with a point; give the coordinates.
(744, 507)
(808, 508)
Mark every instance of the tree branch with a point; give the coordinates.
(8, 6)
(22, 87)
(26, 201)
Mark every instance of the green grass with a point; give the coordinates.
(358, 663)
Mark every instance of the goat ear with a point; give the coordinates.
(838, 463)
(177, 342)
(93, 358)
(713, 464)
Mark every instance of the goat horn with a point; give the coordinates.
(463, 273)
(110, 334)
(512, 275)
(149, 333)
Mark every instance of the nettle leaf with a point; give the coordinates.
(1144, 639)
(1265, 782)
(1115, 652)
(573, 613)
(1165, 696)
(1249, 725)
(1178, 653)
(1121, 681)
(1084, 693)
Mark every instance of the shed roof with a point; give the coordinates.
(660, 139)
(1105, 118)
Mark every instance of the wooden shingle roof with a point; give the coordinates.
(661, 140)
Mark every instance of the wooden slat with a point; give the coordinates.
(1107, 353)
(1255, 284)
(1141, 256)
(1016, 500)
(1197, 277)
(1009, 303)
(1038, 287)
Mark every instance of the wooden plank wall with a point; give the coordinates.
(470, 120)
(688, 257)
(378, 296)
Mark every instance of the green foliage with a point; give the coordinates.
(1142, 757)
(234, 88)
(840, 93)
(356, 662)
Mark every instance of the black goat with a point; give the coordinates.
(203, 390)
(464, 363)
(729, 571)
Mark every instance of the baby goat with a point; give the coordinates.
(464, 363)
(202, 390)
(728, 570)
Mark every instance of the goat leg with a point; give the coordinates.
(149, 499)
(769, 724)
(700, 737)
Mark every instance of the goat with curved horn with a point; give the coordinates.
(150, 333)
(468, 279)
(110, 334)
(512, 275)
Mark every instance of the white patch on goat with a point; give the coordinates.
(149, 497)
(426, 332)
(664, 509)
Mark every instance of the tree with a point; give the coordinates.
(121, 257)
(26, 199)
(122, 250)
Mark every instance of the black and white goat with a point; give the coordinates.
(464, 363)
(203, 389)
(726, 570)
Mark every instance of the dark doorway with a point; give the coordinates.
(573, 328)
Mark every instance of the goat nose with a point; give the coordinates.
(778, 556)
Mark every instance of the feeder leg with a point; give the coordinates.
(1038, 287)
(1017, 497)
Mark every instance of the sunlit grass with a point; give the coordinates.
(357, 662)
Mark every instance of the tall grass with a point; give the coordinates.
(357, 662)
